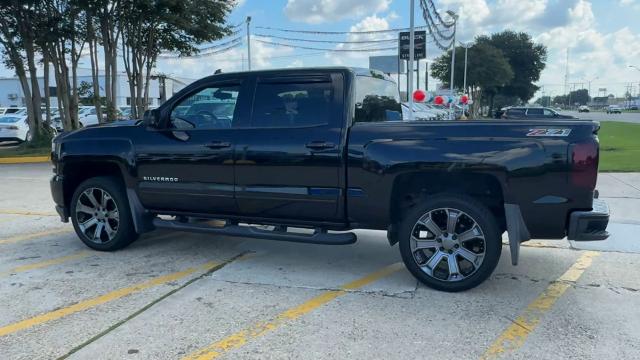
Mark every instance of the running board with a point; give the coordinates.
(317, 237)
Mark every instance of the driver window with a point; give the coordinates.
(549, 113)
(209, 108)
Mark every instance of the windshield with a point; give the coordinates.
(9, 119)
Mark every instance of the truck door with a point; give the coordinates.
(187, 164)
(289, 162)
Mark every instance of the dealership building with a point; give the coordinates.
(11, 91)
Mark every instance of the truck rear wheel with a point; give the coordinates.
(101, 216)
(450, 242)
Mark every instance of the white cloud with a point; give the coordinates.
(321, 11)
(370, 23)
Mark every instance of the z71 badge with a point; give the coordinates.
(549, 132)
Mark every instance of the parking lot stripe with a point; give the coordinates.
(26, 212)
(516, 334)
(45, 263)
(242, 337)
(24, 159)
(24, 237)
(99, 300)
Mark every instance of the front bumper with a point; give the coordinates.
(57, 192)
(590, 225)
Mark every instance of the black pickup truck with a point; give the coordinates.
(306, 155)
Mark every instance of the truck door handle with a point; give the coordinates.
(218, 145)
(319, 145)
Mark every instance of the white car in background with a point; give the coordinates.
(14, 127)
(419, 112)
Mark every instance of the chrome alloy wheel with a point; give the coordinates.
(97, 215)
(447, 244)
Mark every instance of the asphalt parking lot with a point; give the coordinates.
(177, 295)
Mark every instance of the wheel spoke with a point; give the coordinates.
(85, 209)
(435, 259)
(470, 234)
(109, 230)
(113, 214)
(452, 221)
(454, 270)
(87, 224)
(468, 255)
(98, 232)
(424, 244)
(432, 227)
(105, 199)
(89, 194)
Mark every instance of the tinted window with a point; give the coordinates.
(534, 112)
(549, 112)
(515, 112)
(292, 104)
(209, 108)
(375, 98)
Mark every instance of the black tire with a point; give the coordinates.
(125, 232)
(482, 217)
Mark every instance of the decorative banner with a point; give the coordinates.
(464, 99)
(419, 95)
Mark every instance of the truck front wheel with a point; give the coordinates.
(450, 242)
(101, 216)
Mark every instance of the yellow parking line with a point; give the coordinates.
(99, 300)
(24, 237)
(23, 212)
(45, 263)
(516, 334)
(24, 159)
(240, 338)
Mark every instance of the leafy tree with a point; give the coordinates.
(527, 60)
(150, 27)
(487, 70)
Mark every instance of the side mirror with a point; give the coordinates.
(151, 118)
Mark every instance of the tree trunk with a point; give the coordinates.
(95, 72)
(35, 121)
(47, 93)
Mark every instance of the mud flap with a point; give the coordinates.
(142, 220)
(516, 229)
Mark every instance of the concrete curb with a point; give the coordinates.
(24, 159)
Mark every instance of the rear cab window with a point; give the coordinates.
(376, 99)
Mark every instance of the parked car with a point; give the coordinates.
(614, 109)
(633, 107)
(313, 148)
(14, 127)
(517, 112)
(419, 112)
(583, 108)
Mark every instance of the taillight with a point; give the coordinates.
(584, 164)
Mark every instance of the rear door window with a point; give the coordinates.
(295, 102)
(377, 99)
(534, 112)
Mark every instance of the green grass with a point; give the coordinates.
(25, 150)
(619, 146)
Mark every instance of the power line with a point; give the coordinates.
(223, 50)
(329, 41)
(328, 50)
(338, 32)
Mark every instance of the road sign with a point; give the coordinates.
(419, 48)
(387, 64)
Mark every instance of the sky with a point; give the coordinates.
(601, 36)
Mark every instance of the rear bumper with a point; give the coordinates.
(57, 192)
(590, 225)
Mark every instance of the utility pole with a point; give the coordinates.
(249, 42)
(453, 56)
(464, 82)
(411, 57)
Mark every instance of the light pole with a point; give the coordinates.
(637, 68)
(466, 47)
(454, 16)
(249, 42)
(589, 81)
(411, 55)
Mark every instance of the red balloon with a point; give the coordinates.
(438, 100)
(419, 95)
(464, 99)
